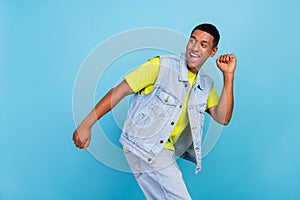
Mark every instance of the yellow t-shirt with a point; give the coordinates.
(143, 80)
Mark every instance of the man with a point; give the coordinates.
(166, 115)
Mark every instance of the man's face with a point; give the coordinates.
(198, 49)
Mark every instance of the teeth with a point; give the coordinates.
(194, 55)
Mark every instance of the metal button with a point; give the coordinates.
(167, 99)
(161, 141)
(197, 148)
(149, 159)
(172, 123)
(180, 106)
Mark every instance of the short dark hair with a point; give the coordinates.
(211, 29)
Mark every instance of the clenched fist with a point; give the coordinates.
(226, 63)
(82, 137)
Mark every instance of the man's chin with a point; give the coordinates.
(192, 65)
(193, 68)
(197, 65)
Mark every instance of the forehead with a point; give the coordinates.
(202, 36)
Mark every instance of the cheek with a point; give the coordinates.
(205, 52)
(188, 47)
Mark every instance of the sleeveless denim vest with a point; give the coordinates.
(151, 118)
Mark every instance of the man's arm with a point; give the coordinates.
(223, 111)
(82, 135)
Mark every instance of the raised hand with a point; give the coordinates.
(226, 63)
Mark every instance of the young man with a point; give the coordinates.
(166, 115)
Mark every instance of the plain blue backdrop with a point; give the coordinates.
(42, 46)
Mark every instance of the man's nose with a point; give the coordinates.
(196, 47)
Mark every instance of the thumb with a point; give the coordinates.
(218, 61)
(87, 143)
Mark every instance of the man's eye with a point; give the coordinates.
(203, 45)
(192, 41)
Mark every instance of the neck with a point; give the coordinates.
(193, 70)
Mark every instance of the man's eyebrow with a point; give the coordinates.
(194, 37)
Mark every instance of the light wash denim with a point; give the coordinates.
(161, 179)
(151, 118)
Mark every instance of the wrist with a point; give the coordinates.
(87, 123)
(228, 76)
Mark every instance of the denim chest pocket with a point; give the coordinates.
(159, 106)
(148, 120)
(166, 98)
(164, 104)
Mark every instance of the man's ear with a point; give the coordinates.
(213, 51)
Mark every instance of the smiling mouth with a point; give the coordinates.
(194, 55)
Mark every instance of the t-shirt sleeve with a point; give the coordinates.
(213, 98)
(143, 76)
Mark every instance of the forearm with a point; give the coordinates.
(225, 107)
(101, 108)
(107, 103)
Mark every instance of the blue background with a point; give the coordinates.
(43, 44)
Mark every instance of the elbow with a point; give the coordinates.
(222, 117)
(224, 122)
